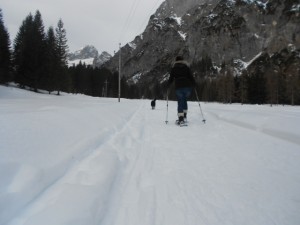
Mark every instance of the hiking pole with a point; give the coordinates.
(167, 106)
(203, 120)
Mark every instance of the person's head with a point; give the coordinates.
(179, 58)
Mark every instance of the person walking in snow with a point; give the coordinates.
(184, 83)
(153, 103)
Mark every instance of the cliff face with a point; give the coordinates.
(223, 30)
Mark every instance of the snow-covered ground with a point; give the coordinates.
(78, 160)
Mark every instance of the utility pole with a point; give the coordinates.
(119, 93)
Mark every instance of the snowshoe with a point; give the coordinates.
(181, 123)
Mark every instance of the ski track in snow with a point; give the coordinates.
(162, 186)
(284, 135)
(140, 171)
(83, 172)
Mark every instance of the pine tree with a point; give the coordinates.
(5, 54)
(21, 53)
(225, 84)
(271, 75)
(257, 88)
(52, 64)
(293, 83)
(243, 87)
(63, 81)
(29, 52)
(38, 52)
(62, 46)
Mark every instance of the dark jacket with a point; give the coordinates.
(182, 75)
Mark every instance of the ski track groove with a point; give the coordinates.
(289, 137)
(131, 148)
(212, 211)
(88, 147)
(136, 186)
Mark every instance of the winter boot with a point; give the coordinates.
(185, 115)
(180, 121)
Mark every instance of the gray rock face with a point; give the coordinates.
(179, 7)
(223, 30)
(88, 51)
(101, 59)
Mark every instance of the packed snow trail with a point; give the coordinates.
(182, 176)
(120, 164)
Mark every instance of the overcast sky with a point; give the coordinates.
(102, 23)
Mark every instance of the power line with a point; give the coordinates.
(129, 18)
(147, 19)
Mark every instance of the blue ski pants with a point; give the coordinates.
(182, 96)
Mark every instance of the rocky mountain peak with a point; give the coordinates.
(89, 51)
(101, 59)
(88, 55)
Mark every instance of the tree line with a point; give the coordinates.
(269, 79)
(38, 61)
(100, 82)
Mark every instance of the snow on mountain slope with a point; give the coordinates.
(88, 61)
(79, 160)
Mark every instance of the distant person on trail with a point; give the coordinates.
(184, 84)
(153, 103)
